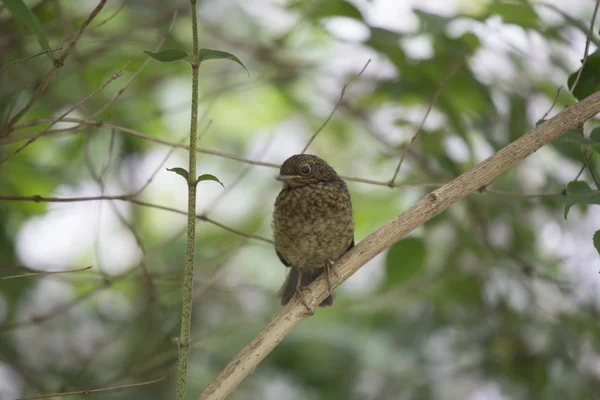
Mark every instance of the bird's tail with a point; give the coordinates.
(288, 289)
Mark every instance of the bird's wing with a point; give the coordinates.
(287, 264)
(349, 247)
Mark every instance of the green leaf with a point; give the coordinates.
(521, 14)
(518, 123)
(208, 54)
(336, 8)
(575, 137)
(595, 136)
(209, 177)
(579, 192)
(24, 15)
(326, 9)
(432, 23)
(168, 55)
(404, 260)
(180, 171)
(568, 145)
(596, 240)
(388, 43)
(589, 80)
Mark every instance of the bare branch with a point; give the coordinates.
(587, 46)
(58, 63)
(453, 70)
(28, 58)
(144, 136)
(90, 391)
(128, 198)
(137, 72)
(429, 206)
(336, 106)
(45, 273)
(63, 115)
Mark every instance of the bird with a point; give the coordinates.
(312, 224)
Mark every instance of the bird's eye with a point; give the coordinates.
(305, 170)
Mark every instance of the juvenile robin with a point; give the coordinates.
(312, 222)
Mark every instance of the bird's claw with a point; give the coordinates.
(328, 269)
(300, 294)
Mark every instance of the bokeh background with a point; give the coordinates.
(496, 298)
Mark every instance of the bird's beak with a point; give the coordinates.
(289, 181)
(286, 178)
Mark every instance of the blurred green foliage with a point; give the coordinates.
(495, 298)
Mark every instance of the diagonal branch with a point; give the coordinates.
(436, 95)
(43, 273)
(89, 391)
(343, 92)
(70, 110)
(58, 63)
(429, 206)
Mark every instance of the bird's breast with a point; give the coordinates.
(312, 226)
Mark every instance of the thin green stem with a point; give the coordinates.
(186, 308)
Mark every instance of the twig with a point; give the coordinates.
(520, 195)
(336, 105)
(220, 225)
(588, 163)
(58, 63)
(237, 180)
(587, 46)
(38, 319)
(138, 134)
(553, 104)
(63, 115)
(136, 73)
(28, 58)
(127, 198)
(4, 278)
(90, 391)
(117, 11)
(453, 70)
(429, 206)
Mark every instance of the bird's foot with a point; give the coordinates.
(300, 293)
(328, 269)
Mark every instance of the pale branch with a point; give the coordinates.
(43, 273)
(336, 106)
(90, 391)
(453, 70)
(58, 63)
(429, 206)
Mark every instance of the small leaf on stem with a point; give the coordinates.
(208, 54)
(180, 171)
(209, 177)
(168, 55)
(579, 192)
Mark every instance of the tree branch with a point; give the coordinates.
(429, 206)
(58, 63)
(89, 391)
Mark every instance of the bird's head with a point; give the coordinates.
(305, 169)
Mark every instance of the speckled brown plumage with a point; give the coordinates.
(312, 222)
